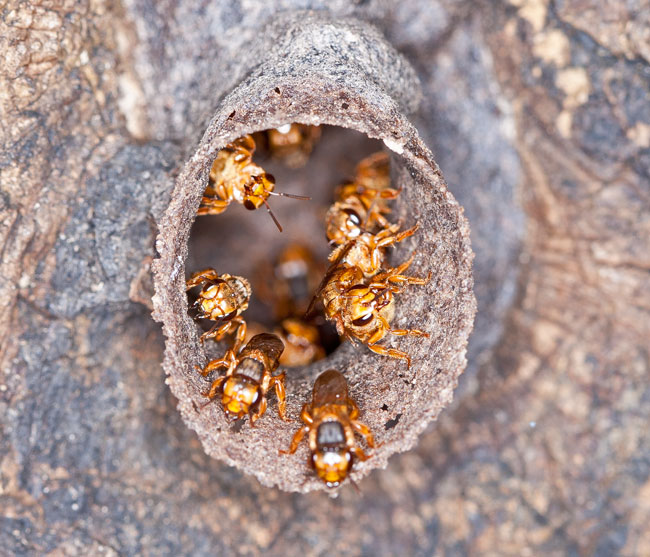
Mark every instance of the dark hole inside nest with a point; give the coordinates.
(246, 243)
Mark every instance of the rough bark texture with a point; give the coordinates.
(537, 113)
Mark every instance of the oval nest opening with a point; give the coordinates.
(362, 85)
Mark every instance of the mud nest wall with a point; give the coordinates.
(537, 114)
(303, 78)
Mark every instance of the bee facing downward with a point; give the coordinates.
(249, 377)
(331, 422)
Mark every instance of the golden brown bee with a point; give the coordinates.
(292, 143)
(249, 377)
(361, 203)
(346, 220)
(223, 298)
(331, 421)
(362, 307)
(288, 285)
(355, 214)
(301, 341)
(373, 172)
(366, 251)
(235, 177)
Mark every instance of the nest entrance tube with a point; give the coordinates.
(310, 69)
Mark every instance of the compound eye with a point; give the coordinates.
(357, 290)
(249, 205)
(228, 316)
(270, 178)
(363, 320)
(353, 216)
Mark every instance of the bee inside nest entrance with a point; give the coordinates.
(248, 243)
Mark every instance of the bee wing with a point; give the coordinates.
(266, 343)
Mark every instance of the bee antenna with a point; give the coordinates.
(291, 195)
(310, 309)
(268, 208)
(356, 486)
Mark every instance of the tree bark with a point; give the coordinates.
(537, 114)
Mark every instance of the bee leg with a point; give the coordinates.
(296, 439)
(392, 240)
(406, 233)
(229, 360)
(340, 327)
(212, 365)
(411, 332)
(353, 409)
(351, 419)
(403, 279)
(260, 411)
(278, 383)
(217, 332)
(336, 252)
(375, 215)
(380, 280)
(391, 353)
(389, 193)
(358, 451)
(400, 268)
(214, 388)
(363, 430)
(210, 206)
(349, 436)
(240, 334)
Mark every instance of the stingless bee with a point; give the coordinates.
(288, 284)
(331, 422)
(301, 341)
(361, 204)
(235, 177)
(371, 181)
(367, 250)
(223, 298)
(249, 377)
(349, 217)
(362, 307)
(373, 172)
(292, 143)
(346, 220)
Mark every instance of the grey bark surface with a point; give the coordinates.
(537, 114)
